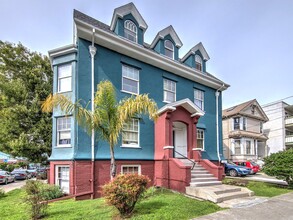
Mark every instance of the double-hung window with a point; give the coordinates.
(169, 49)
(248, 147)
(169, 91)
(63, 131)
(130, 31)
(62, 178)
(200, 138)
(130, 133)
(198, 63)
(236, 123)
(237, 147)
(64, 78)
(130, 79)
(199, 98)
(130, 169)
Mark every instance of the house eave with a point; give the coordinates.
(136, 51)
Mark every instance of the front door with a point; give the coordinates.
(180, 139)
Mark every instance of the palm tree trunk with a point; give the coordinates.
(113, 163)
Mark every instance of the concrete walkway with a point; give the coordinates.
(276, 208)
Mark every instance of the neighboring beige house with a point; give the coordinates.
(243, 134)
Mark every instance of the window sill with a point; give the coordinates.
(63, 146)
(130, 146)
(132, 93)
(168, 102)
(61, 92)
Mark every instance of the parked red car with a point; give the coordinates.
(252, 165)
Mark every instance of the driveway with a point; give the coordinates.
(12, 186)
(276, 208)
(262, 178)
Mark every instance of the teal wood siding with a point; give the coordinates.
(108, 66)
(63, 153)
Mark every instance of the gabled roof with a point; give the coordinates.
(185, 103)
(197, 47)
(240, 110)
(125, 10)
(168, 30)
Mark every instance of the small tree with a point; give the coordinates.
(34, 198)
(280, 165)
(124, 191)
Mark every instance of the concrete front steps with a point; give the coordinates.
(205, 186)
(218, 193)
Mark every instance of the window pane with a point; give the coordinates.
(130, 31)
(169, 91)
(64, 71)
(130, 85)
(64, 84)
(169, 53)
(130, 132)
(200, 138)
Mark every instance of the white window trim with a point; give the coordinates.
(234, 144)
(131, 165)
(130, 30)
(126, 77)
(169, 91)
(138, 138)
(56, 175)
(57, 135)
(198, 99)
(201, 62)
(203, 142)
(58, 78)
(170, 49)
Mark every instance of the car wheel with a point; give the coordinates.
(233, 173)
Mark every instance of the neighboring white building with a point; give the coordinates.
(279, 128)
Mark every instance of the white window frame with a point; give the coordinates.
(133, 131)
(197, 98)
(69, 65)
(239, 118)
(130, 29)
(131, 165)
(203, 137)
(250, 141)
(63, 130)
(170, 49)
(125, 69)
(166, 90)
(198, 61)
(234, 146)
(57, 176)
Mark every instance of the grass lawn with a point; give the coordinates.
(259, 188)
(158, 204)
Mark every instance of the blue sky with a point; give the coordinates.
(250, 42)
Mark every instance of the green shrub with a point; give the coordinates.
(2, 193)
(49, 192)
(124, 191)
(34, 199)
(280, 165)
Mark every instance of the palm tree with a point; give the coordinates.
(108, 116)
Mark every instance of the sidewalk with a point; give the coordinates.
(275, 208)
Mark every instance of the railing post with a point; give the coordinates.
(196, 154)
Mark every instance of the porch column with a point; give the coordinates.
(256, 150)
(196, 155)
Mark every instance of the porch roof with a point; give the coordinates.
(185, 103)
(239, 134)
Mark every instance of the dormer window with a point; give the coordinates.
(198, 63)
(169, 49)
(130, 31)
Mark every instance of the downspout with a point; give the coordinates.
(217, 122)
(93, 51)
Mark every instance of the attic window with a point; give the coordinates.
(130, 31)
(198, 63)
(169, 49)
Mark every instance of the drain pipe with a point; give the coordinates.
(217, 122)
(93, 51)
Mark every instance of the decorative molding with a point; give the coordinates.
(161, 35)
(192, 51)
(168, 147)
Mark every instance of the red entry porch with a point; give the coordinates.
(175, 138)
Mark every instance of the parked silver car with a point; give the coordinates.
(6, 177)
(21, 174)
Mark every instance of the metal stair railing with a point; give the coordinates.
(193, 163)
